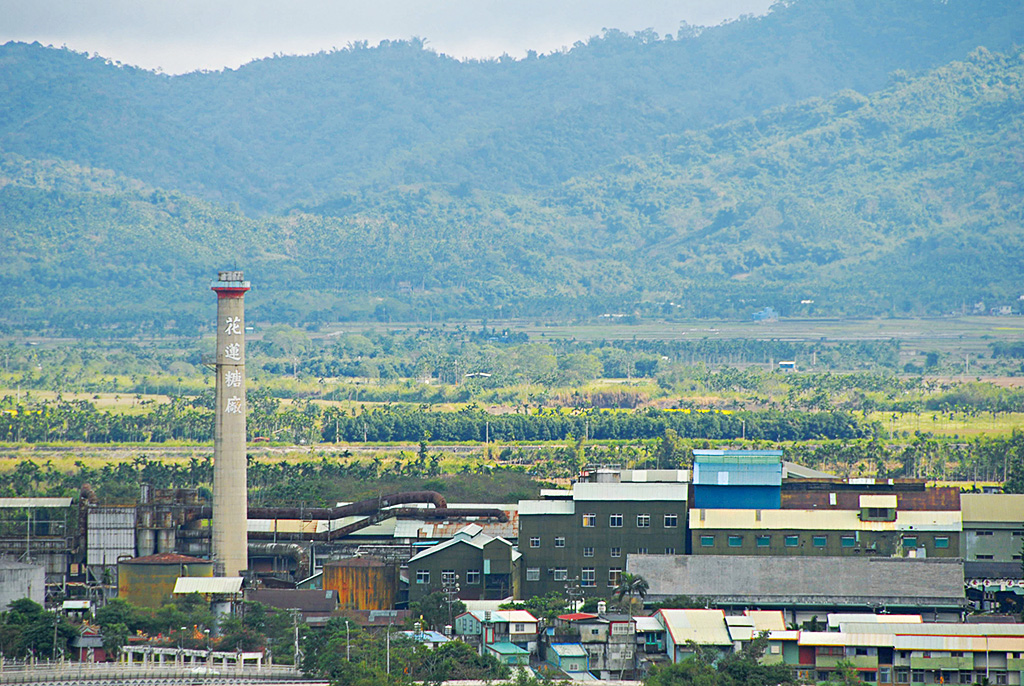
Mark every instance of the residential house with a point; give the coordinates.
(482, 628)
(686, 627)
(571, 658)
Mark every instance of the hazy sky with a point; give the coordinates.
(185, 35)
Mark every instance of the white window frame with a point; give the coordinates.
(534, 541)
(615, 552)
(560, 574)
(588, 577)
(615, 521)
(671, 520)
(559, 541)
(472, 577)
(588, 551)
(643, 521)
(589, 520)
(533, 573)
(423, 576)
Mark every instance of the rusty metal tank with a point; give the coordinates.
(362, 583)
(149, 581)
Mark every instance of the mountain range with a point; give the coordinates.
(862, 155)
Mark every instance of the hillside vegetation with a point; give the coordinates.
(397, 184)
(908, 200)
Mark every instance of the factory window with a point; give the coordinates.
(422, 576)
(533, 573)
(671, 521)
(983, 533)
(615, 520)
(670, 551)
(641, 551)
(910, 541)
(472, 576)
(983, 557)
(643, 520)
(942, 541)
(559, 541)
(535, 541)
(792, 541)
(819, 541)
(588, 577)
(448, 576)
(588, 552)
(614, 576)
(764, 541)
(589, 520)
(735, 541)
(560, 574)
(707, 541)
(848, 541)
(616, 552)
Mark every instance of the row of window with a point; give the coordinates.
(917, 676)
(588, 551)
(643, 521)
(588, 575)
(818, 540)
(448, 576)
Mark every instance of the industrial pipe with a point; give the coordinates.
(362, 507)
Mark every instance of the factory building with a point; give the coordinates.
(582, 537)
(473, 565)
(149, 581)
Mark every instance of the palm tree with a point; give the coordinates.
(631, 585)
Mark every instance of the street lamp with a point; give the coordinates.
(348, 646)
(450, 587)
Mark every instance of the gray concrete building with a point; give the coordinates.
(993, 535)
(481, 567)
(807, 586)
(20, 580)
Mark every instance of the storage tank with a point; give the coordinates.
(362, 583)
(149, 581)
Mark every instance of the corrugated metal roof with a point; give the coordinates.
(791, 470)
(630, 491)
(506, 648)
(165, 559)
(841, 619)
(705, 627)
(568, 649)
(877, 500)
(821, 520)
(545, 507)
(940, 629)
(758, 579)
(836, 497)
(842, 638)
(655, 475)
(730, 474)
(208, 584)
(767, 620)
(35, 502)
(519, 616)
(742, 455)
(992, 507)
(646, 624)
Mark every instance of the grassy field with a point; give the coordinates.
(947, 425)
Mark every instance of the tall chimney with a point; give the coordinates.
(230, 500)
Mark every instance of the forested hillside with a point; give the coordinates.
(908, 200)
(322, 129)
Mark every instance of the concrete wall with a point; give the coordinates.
(19, 580)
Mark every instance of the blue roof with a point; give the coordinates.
(506, 648)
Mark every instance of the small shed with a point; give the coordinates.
(571, 658)
(509, 653)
